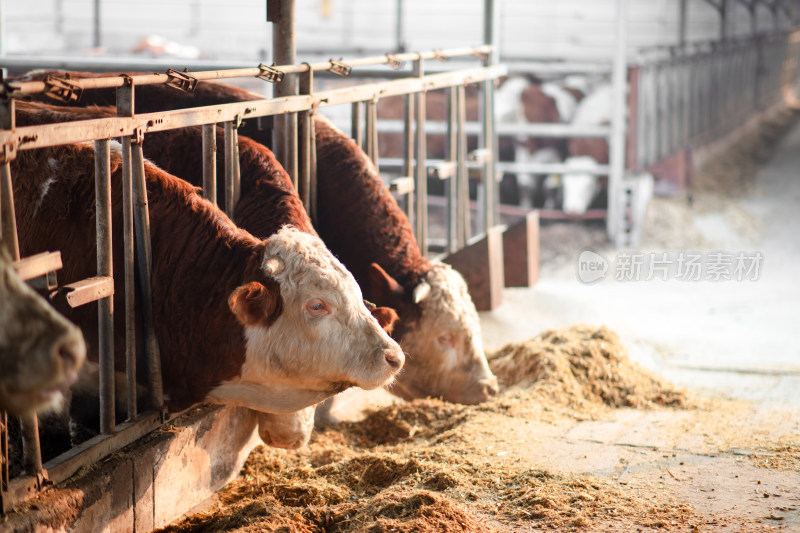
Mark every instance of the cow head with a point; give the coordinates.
(293, 430)
(40, 351)
(579, 188)
(440, 332)
(308, 333)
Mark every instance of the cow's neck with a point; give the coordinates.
(199, 259)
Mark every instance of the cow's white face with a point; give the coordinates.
(308, 333)
(443, 344)
(289, 431)
(40, 351)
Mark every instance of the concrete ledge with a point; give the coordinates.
(151, 482)
(521, 252)
(481, 264)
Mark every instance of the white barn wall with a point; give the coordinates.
(237, 29)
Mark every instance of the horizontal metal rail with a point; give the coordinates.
(30, 137)
(31, 87)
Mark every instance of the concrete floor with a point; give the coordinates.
(739, 338)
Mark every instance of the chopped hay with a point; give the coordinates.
(580, 364)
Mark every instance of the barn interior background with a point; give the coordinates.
(691, 80)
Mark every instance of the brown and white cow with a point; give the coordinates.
(269, 202)
(274, 325)
(362, 224)
(40, 351)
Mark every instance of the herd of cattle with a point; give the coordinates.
(263, 310)
(575, 99)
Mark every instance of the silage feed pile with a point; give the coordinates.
(581, 364)
(433, 466)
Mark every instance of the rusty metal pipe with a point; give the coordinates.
(105, 306)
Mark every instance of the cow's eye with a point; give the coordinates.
(446, 340)
(317, 307)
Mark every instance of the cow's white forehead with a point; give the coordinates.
(449, 298)
(308, 263)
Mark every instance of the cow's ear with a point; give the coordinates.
(256, 303)
(386, 317)
(383, 289)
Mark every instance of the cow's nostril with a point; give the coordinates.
(68, 352)
(394, 359)
(492, 390)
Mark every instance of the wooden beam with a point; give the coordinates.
(521, 252)
(481, 264)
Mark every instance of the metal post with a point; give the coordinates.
(464, 231)
(421, 174)
(306, 127)
(97, 41)
(125, 108)
(724, 14)
(401, 39)
(408, 161)
(144, 261)
(682, 26)
(8, 219)
(210, 162)
(452, 155)
(232, 171)
(371, 132)
(282, 15)
(130, 298)
(355, 124)
(491, 33)
(105, 306)
(617, 142)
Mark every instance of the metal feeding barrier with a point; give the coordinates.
(132, 129)
(691, 95)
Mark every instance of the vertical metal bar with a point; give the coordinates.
(313, 173)
(8, 219)
(306, 127)
(105, 307)
(97, 41)
(462, 186)
(32, 451)
(3, 457)
(491, 34)
(144, 261)
(371, 131)
(408, 161)
(724, 13)
(421, 174)
(355, 124)
(400, 45)
(452, 155)
(682, 26)
(617, 144)
(210, 162)
(130, 298)
(282, 15)
(125, 108)
(231, 142)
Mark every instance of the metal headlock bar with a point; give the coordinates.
(132, 129)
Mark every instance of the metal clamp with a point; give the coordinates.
(393, 62)
(62, 89)
(137, 136)
(270, 74)
(340, 68)
(181, 80)
(438, 56)
(8, 152)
